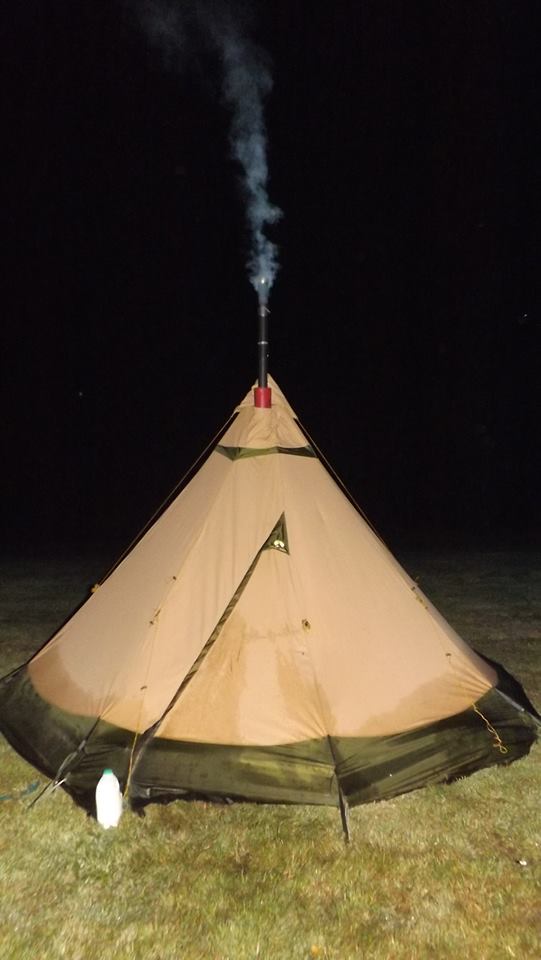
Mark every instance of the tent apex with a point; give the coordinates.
(278, 398)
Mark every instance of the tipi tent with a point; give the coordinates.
(261, 643)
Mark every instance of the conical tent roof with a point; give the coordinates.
(260, 642)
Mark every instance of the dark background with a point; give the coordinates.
(405, 151)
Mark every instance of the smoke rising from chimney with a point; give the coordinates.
(246, 81)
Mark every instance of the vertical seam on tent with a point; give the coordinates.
(280, 466)
(156, 623)
(300, 593)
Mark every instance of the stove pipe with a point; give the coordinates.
(262, 393)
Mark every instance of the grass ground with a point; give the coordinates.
(447, 871)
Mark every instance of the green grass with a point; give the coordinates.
(433, 874)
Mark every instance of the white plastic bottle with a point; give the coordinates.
(108, 800)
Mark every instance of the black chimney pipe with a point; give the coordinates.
(262, 345)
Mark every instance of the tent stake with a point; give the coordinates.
(342, 799)
(344, 814)
(66, 767)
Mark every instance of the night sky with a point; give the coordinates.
(405, 152)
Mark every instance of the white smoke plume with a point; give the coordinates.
(246, 81)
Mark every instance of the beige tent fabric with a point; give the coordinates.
(264, 428)
(366, 654)
(257, 684)
(332, 638)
